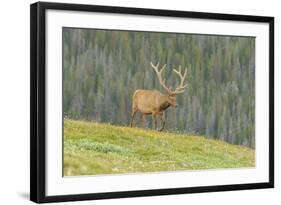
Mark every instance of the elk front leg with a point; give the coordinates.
(132, 117)
(162, 117)
(154, 118)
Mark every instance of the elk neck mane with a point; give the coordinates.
(164, 104)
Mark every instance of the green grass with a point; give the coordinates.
(93, 148)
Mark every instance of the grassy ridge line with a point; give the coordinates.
(94, 148)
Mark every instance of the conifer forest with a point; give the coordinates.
(103, 68)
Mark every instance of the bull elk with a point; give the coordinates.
(153, 102)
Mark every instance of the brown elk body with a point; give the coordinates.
(153, 102)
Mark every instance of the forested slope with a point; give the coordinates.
(102, 69)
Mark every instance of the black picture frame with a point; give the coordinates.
(38, 101)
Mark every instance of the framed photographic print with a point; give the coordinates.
(129, 102)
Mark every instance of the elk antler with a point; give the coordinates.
(162, 82)
(181, 87)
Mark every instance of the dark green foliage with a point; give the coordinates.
(102, 69)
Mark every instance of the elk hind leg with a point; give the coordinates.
(144, 119)
(134, 111)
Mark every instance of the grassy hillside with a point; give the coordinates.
(93, 148)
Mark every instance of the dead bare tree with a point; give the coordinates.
(153, 102)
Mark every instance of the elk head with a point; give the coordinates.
(171, 94)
